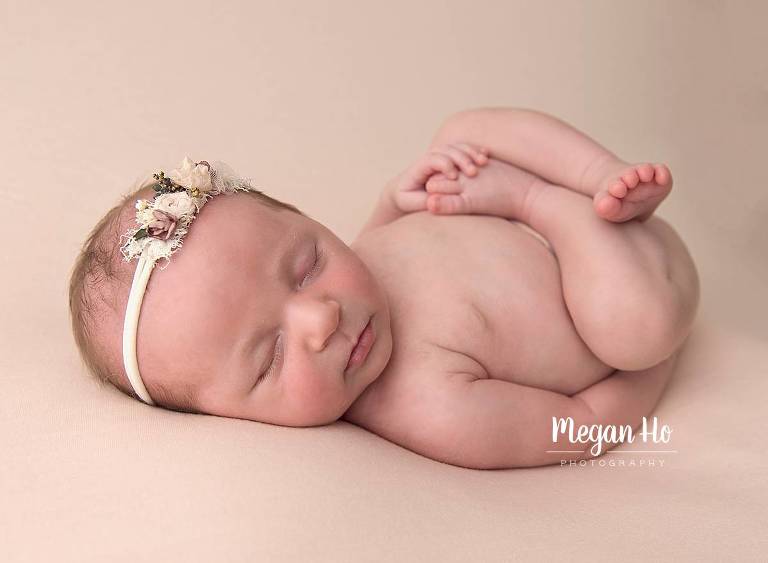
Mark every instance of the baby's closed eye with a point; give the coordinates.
(315, 265)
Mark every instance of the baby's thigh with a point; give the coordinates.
(681, 270)
(663, 312)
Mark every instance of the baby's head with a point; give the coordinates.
(254, 317)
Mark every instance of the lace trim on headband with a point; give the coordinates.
(165, 219)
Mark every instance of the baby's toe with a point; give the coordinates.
(618, 189)
(645, 172)
(662, 174)
(630, 177)
(606, 206)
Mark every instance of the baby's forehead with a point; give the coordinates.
(235, 239)
(238, 210)
(222, 273)
(238, 225)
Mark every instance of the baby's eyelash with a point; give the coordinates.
(318, 256)
(271, 368)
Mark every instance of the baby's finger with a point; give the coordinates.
(439, 162)
(411, 201)
(461, 158)
(447, 204)
(440, 184)
(479, 154)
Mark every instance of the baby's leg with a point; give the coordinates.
(561, 154)
(631, 288)
(623, 191)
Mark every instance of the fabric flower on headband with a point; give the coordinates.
(195, 177)
(164, 220)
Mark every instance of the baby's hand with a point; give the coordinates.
(409, 190)
(500, 189)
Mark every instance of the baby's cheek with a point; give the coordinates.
(356, 278)
(314, 397)
(298, 387)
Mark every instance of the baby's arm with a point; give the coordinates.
(532, 140)
(540, 143)
(406, 192)
(626, 396)
(495, 424)
(385, 211)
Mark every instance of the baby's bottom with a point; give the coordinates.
(631, 288)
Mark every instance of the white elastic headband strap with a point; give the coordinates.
(130, 326)
(162, 223)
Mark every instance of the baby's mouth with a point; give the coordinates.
(355, 349)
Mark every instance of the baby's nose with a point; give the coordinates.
(322, 322)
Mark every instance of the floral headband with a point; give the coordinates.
(162, 224)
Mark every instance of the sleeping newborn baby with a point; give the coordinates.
(512, 274)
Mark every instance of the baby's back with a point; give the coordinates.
(471, 296)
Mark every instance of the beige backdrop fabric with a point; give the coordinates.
(321, 103)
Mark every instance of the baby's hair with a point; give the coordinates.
(98, 272)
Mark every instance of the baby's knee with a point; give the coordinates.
(639, 337)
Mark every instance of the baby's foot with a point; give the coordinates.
(499, 188)
(632, 192)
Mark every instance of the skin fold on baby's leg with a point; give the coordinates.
(631, 288)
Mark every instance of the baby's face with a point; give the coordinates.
(260, 309)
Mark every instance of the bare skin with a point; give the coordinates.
(627, 281)
(579, 322)
(485, 328)
(630, 191)
(550, 148)
(449, 338)
(633, 255)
